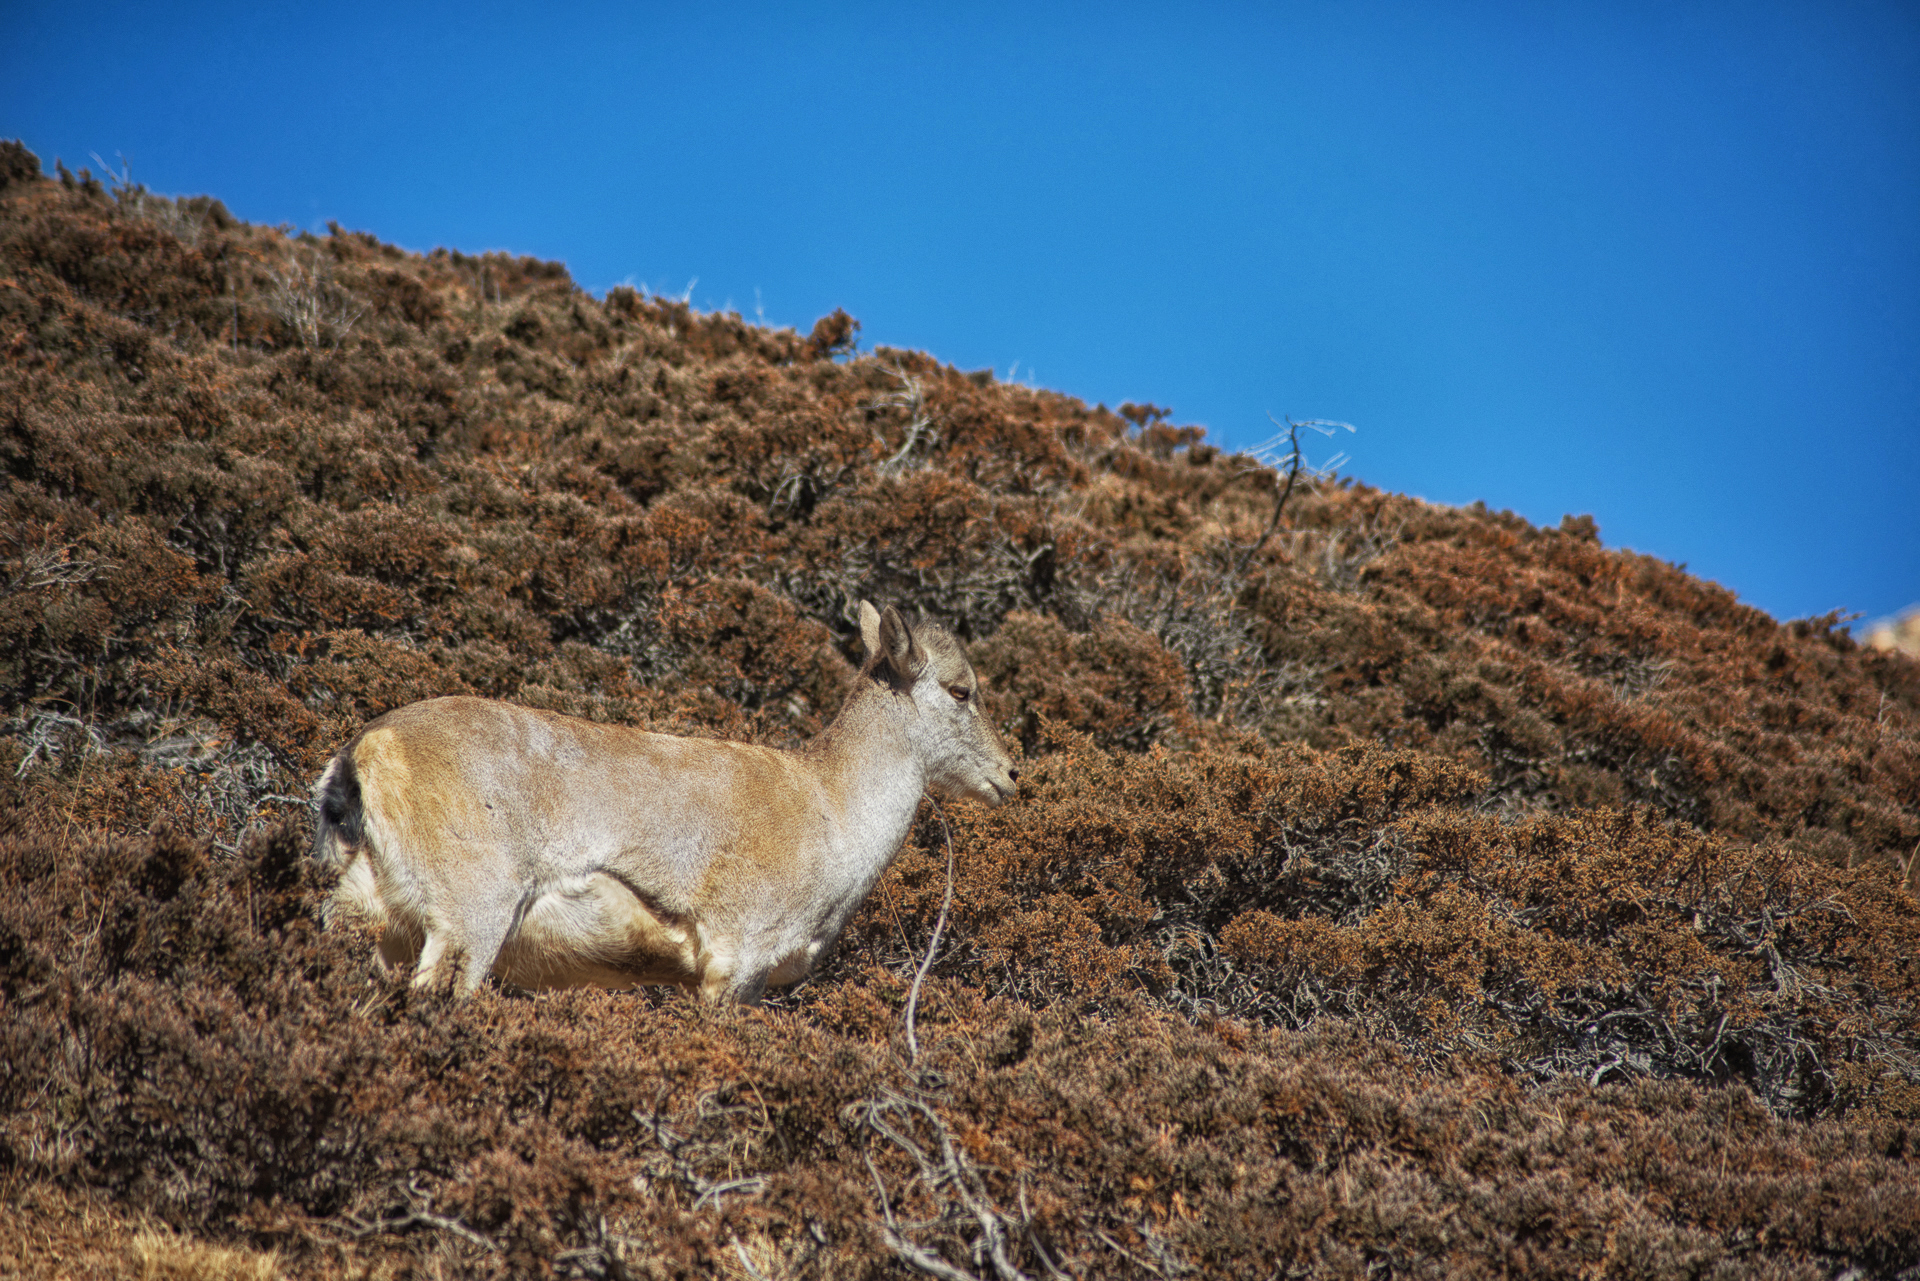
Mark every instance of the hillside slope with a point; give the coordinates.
(1414, 892)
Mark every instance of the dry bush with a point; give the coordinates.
(1414, 891)
(202, 1052)
(305, 297)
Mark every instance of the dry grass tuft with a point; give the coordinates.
(160, 1255)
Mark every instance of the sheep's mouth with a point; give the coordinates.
(991, 794)
(998, 793)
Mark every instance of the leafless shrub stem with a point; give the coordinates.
(911, 397)
(1286, 468)
(55, 736)
(419, 1215)
(305, 295)
(174, 217)
(933, 943)
(888, 1116)
(50, 566)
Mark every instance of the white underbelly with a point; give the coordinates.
(592, 929)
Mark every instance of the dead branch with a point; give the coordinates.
(419, 1214)
(951, 1170)
(933, 944)
(1286, 471)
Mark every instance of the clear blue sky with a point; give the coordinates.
(1659, 262)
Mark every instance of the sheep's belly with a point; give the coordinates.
(592, 930)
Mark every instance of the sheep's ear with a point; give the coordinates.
(903, 650)
(870, 627)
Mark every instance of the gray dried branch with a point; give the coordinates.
(304, 294)
(419, 1213)
(889, 1115)
(56, 737)
(911, 397)
(51, 566)
(933, 943)
(1285, 469)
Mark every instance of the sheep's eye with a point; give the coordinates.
(960, 692)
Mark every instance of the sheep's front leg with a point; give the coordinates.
(470, 935)
(729, 982)
(745, 992)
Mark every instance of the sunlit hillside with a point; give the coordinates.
(1394, 890)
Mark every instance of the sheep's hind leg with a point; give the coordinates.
(472, 942)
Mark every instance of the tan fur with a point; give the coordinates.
(483, 838)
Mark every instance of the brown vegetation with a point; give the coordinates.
(1430, 894)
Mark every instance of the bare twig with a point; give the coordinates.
(46, 734)
(714, 1191)
(305, 295)
(1287, 469)
(419, 1216)
(674, 1144)
(920, 1257)
(950, 1169)
(1279, 506)
(746, 1262)
(50, 566)
(933, 944)
(1166, 1267)
(911, 397)
(122, 182)
(1033, 1238)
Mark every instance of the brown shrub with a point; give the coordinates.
(1422, 892)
